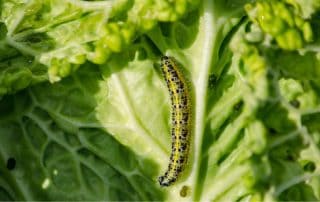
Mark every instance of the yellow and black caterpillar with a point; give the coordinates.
(181, 120)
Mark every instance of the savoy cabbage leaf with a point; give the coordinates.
(103, 132)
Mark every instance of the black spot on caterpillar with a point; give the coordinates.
(180, 120)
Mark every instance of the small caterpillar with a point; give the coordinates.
(181, 120)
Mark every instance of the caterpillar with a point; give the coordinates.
(180, 118)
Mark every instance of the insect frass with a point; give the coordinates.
(181, 120)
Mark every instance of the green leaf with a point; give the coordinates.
(56, 37)
(60, 150)
(104, 132)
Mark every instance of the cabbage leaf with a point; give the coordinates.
(101, 131)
